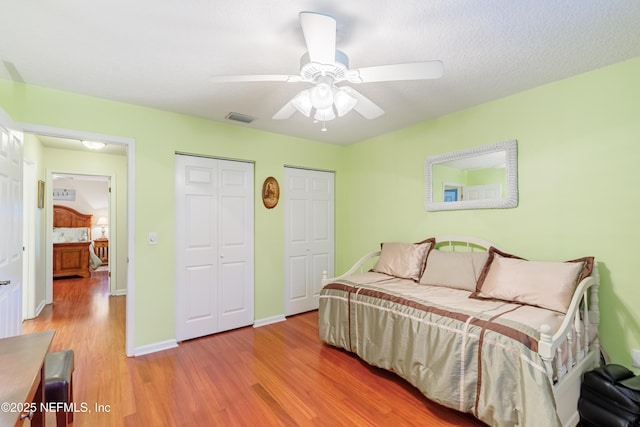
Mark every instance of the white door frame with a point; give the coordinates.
(113, 227)
(109, 139)
(29, 194)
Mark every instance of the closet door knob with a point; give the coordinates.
(5, 282)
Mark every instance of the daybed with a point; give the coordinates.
(472, 327)
(73, 253)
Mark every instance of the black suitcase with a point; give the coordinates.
(610, 397)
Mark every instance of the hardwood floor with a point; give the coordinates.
(279, 374)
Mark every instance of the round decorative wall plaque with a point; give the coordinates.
(270, 193)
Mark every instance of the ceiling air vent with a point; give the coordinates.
(238, 117)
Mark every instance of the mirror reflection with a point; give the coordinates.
(471, 178)
(477, 178)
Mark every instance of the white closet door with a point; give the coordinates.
(235, 243)
(11, 226)
(214, 246)
(309, 236)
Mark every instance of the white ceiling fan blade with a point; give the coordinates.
(364, 105)
(320, 35)
(257, 78)
(395, 72)
(285, 112)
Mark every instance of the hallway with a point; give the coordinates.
(92, 323)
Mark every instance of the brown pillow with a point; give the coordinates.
(404, 260)
(539, 283)
(458, 270)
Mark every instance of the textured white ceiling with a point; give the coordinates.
(163, 53)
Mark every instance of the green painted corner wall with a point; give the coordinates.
(578, 152)
(578, 142)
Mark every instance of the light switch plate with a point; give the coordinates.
(635, 358)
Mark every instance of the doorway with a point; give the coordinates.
(87, 194)
(125, 210)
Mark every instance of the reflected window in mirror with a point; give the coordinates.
(482, 177)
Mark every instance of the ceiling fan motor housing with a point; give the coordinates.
(311, 71)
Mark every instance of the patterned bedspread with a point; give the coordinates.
(476, 356)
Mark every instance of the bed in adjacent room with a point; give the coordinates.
(73, 252)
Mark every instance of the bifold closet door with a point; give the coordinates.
(214, 246)
(309, 236)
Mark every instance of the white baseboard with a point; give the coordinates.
(39, 308)
(269, 320)
(153, 348)
(166, 345)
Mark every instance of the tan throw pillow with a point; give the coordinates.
(458, 270)
(539, 283)
(404, 260)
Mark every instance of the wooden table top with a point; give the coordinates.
(21, 360)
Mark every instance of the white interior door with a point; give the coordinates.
(309, 236)
(235, 244)
(11, 227)
(214, 246)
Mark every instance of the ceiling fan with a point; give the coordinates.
(325, 67)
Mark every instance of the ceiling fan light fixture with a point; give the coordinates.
(322, 96)
(302, 102)
(343, 102)
(324, 115)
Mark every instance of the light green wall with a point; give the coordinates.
(158, 135)
(578, 145)
(486, 176)
(578, 154)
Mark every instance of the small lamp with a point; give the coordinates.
(102, 221)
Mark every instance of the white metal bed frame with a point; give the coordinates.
(583, 311)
